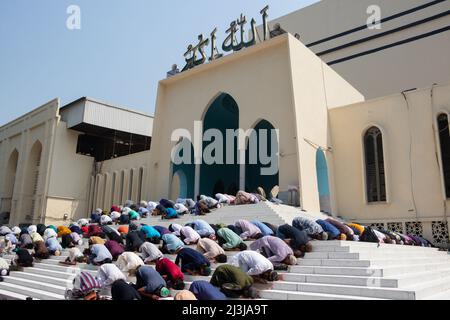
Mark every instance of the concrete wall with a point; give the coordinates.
(69, 179)
(316, 88)
(118, 179)
(34, 129)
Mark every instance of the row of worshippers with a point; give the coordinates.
(168, 209)
(231, 280)
(334, 229)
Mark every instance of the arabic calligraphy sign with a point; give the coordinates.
(235, 41)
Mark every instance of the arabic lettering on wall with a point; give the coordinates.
(235, 41)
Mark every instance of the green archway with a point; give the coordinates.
(185, 170)
(253, 176)
(220, 177)
(322, 181)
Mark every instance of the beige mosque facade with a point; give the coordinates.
(376, 156)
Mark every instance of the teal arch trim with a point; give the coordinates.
(222, 114)
(183, 184)
(186, 172)
(253, 177)
(322, 174)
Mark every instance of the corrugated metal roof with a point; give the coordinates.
(90, 111)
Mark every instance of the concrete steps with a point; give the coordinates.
(30, 292)
(335, 270)
(9, 295)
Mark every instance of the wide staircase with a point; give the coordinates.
(335, 270)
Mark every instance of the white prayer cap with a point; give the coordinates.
(32, 229)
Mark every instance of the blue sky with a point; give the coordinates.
(121, 52)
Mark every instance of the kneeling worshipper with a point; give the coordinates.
(255, 265)
(53, 246)
(203, 228)
(233, 282)
(171, 273)
(185, 295)
(115, 248)
(108, 274)
(23, 258)
(330, 229)
(344, 229)
(84, 287)
(249, 230)
(99, 255)
(75, 256)
(40, 250)
(123, 291)
(298, 240)
(150, 283)
(151, 234)
(112, 234)
(193, 262)
(171, 244)
(203, 290)
(150, 253)
(275, 250)
(265, 230)
(129, 262)
(189, 235)
(230, 241)
(211, 250)
(311, 227)
(134, 240)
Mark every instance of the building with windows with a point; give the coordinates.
(362, 117)
(57, 163)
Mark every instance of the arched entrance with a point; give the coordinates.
(30, 200)
(253, 175)
(183, 171)
(322, 181)
(215, 171)
(179, 185)
(9, 183)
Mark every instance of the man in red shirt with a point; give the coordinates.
(171, 273)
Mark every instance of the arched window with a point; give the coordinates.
(444, 138)
(374, 161)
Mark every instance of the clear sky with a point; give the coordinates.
(124, 47)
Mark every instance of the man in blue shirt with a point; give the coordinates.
(171, 243)
(265, 230)
(150, 284)
(193, 262)
(333, 232)
(203, 228)
(203, 290)
(151, 234)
